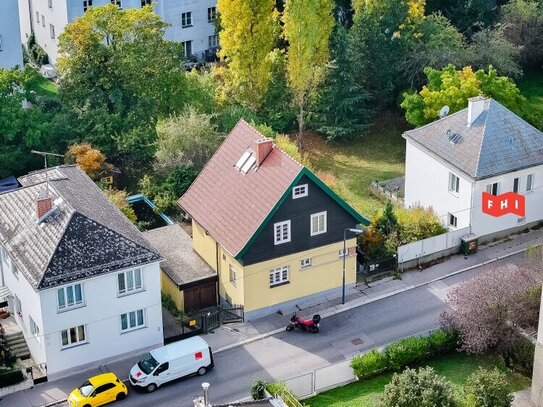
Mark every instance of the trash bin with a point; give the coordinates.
(469, 244)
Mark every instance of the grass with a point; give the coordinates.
(378, 155)
(44, 87)
(455, 367)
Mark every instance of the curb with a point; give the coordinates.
(338, 309)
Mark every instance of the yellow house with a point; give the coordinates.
(270, 229)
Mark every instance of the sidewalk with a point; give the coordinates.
(232, 335)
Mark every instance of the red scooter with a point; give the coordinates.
(310, 325)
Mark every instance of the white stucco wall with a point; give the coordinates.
(427, 184)
(31, 306)
(537, 376)
(11, 52)
(101, 316)
(483, 224)
(24, 20)
(66, 11)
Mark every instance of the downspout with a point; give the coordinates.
(218, 273)
(471, 205)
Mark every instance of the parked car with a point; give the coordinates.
(170, 362)
(97, 391)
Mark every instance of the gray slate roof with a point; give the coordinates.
(87, 235)
(498, 142)
(181, 263)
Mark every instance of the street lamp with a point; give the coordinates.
(357, 232)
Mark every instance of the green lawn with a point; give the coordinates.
(380, 154)
(455, 367)
(45, 87)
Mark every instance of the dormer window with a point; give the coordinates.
(299, 191)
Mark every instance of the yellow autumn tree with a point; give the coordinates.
(89, 159)
(248, 32)
(307, 28)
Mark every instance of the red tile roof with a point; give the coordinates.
(231, 205)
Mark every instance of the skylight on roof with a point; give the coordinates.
(248, 164)
(242, 160)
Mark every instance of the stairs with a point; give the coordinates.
(17, 345)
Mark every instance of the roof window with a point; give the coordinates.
(242, 160)
(246, 162)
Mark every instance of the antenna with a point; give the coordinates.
(444, 111)
(44, 155)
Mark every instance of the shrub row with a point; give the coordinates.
(11, 377)
(403, 353)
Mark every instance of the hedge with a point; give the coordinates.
(404, 352)
(11, 377)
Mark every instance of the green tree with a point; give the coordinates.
(341, 109)
(248, 32)
(21, 129)
(118, 198)
(188, 138)
(488, 388)
(307, 27)
(467, 15)
(387, 223)
(119, 76)
(453, 87)
(421, 388)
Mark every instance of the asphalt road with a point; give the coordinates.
(290, 354)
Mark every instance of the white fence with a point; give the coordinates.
(423, 249)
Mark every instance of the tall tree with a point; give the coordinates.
(453, 87)
(307, 27)
(341, 110)
(248, 32)
(119, 76)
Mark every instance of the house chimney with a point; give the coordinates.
(476, 106)
(43, 205)
(263, 148)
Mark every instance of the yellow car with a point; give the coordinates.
(97, 391)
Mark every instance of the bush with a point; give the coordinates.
(522, 356)
(421, 388)
(369, 364)
(407, 351)
(488, 388)
(258, 389)
(442, 341)
(11, 377)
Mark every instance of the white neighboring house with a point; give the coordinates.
(537, 376)
(192, 21)
(11, 50)
(84, 283)
(485, 147)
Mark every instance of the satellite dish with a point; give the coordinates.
(444, 111)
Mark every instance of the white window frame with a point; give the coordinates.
(279, 275)
(299, 191)
(1, 47)
(129, 276)
(530, 182)
(65, 295)
(211, 14)
(490, 187)
(43, 21)
(454, 183)
(516, 184)
(50, 4)
(52, 31)
(304, 263)
(282, 226)
(137, 324)
(186, 19)
(34, 328)
(118, 3)
(319, 231)
(213, 41)
(80, 339)
(38, 17)
(146, 3)
(452, 223)
(184, 45)
(232, 274)
(86, 5)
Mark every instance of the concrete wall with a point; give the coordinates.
(427, 184)
(101, 317)
(324, 275)
(483, 224)
(167, 286)
(11, 51)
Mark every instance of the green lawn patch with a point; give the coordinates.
(45, 87)
(379, 154)
(456, 367)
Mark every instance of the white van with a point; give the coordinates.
(170, 362)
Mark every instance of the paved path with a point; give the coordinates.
(377, 314)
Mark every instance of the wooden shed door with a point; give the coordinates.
(200, 297)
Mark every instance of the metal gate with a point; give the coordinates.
(232, 314)
(212, 319)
